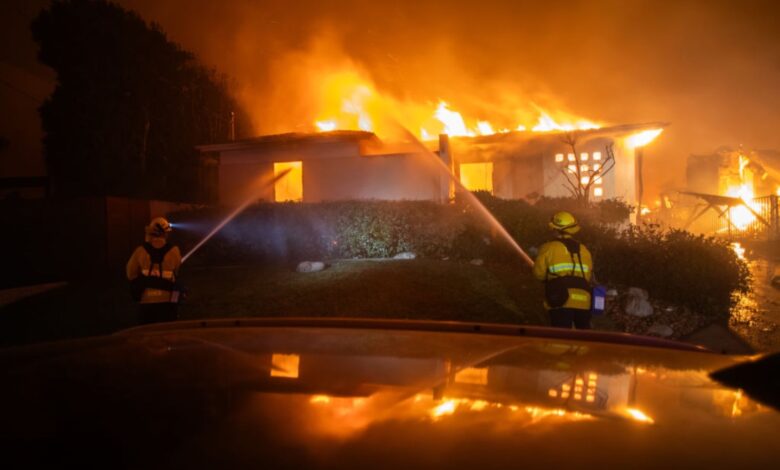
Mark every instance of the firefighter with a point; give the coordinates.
(152, 272)
(565, 267)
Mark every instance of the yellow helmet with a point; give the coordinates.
(564, 222)
(158, 227)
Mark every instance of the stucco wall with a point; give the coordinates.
(331, 171)
(374, 177)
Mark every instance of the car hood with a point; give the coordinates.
(339, 393)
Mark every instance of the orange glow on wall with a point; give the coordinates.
(477, 176)
(290, 187)
(285, 365)
(472, 375)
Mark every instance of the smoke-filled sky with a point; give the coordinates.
(711, 68)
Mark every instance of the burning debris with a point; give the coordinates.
(735, 193)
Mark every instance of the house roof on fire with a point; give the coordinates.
(611, 131)
(514, 137)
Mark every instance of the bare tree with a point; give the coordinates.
(581, 174)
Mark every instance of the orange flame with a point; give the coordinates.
(741, 216)
(349, 101)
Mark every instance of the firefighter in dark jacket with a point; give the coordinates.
(565, 266)
(152, 272)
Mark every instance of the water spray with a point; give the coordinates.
(472, 199)
(249, 200)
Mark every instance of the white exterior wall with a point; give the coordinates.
(331, 171)
(523, 166)
(625, 172)
(620, 182)
(391, 177)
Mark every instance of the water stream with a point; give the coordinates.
(483, 212)
(252, 197)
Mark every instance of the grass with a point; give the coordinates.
(417, 289)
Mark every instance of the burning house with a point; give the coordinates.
(342, 165)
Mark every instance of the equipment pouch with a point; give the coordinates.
(598, 300)
(556, 294)
(556, 290)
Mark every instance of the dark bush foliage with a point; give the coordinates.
(691, 270)
(676, 266)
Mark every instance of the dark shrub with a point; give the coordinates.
(676, 266)
(691, 270)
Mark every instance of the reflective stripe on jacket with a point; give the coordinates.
(554, 260)
(140, 263)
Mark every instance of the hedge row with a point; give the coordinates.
(694, 271)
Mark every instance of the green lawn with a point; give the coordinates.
(417, 289)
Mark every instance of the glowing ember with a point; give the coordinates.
(322, 399)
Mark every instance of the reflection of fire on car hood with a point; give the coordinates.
(279, 393)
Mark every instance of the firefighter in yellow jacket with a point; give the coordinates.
(565, 266)
(152, 271)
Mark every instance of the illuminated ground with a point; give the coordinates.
(418, 289)
(424, 289)
(439, 290)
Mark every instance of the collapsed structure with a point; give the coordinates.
(731, 191)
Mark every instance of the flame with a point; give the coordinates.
(741, 216)
(547, 123)
(447, 407)
(640, 139)
(537, 413)
(485, 128)
(348, 100)
(453, 122)
(326, 126)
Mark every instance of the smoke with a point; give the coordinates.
(708, 67)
